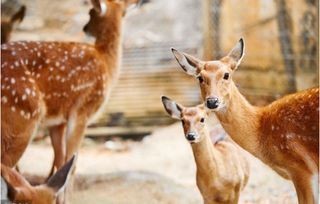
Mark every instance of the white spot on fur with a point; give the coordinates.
(28, 91)
(13, 109)
(4, 99)
(24, 97)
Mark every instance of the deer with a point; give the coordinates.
(19, 190)
(12, 13)
(62, 86)
(222, 168)
(284, 134)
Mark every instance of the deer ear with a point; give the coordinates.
(187, 62)
(18, 17)
(172, 108)
(100, 6)
(59, 180)
(237, 53)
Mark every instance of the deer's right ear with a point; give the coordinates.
(187, 62)
(172, 108)
(59, 180)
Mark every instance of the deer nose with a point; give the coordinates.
(191, 136)
(212, 102)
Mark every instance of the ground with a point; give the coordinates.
(159, 169)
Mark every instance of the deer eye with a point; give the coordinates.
(200, 79)
(202, 120)
(226, 76)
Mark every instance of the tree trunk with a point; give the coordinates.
(285, 29)
(211, 29)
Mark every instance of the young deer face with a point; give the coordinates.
(19, 189)
(193, 118)
(215, 77)
(102, 11)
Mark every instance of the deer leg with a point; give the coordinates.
(57, 135)
(74, 136)
(303, 186)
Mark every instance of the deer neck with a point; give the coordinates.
(204, 156)
(108, 42)
(240, 120)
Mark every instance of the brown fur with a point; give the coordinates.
(284, 134)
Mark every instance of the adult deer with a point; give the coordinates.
(284, 134)
(222, 169)
(20, 191)
(12, 12)
(59, 85)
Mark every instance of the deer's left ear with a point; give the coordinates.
(237, 53)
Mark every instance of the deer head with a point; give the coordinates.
(103, 10)
(215, 77)
(8, 22)
(193, 118)
(19, 189)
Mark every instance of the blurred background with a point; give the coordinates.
(134, 153)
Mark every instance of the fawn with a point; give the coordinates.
(20, 191)
(284, 134)
(222, 169)
(12, 12)
(59, 85)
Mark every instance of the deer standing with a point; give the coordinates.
(284, 134)
(59, 85)
(20, 191)
(222, 169)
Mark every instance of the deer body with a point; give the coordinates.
(60, 85)
(284, 134)
(222, 169)
(55, 84)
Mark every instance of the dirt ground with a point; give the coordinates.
(159, 169)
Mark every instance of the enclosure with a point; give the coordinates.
(134, 152)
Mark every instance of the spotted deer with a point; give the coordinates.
(12, 12)
(59, 85)
(283, 134)
(222, 169)
(19, 190)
